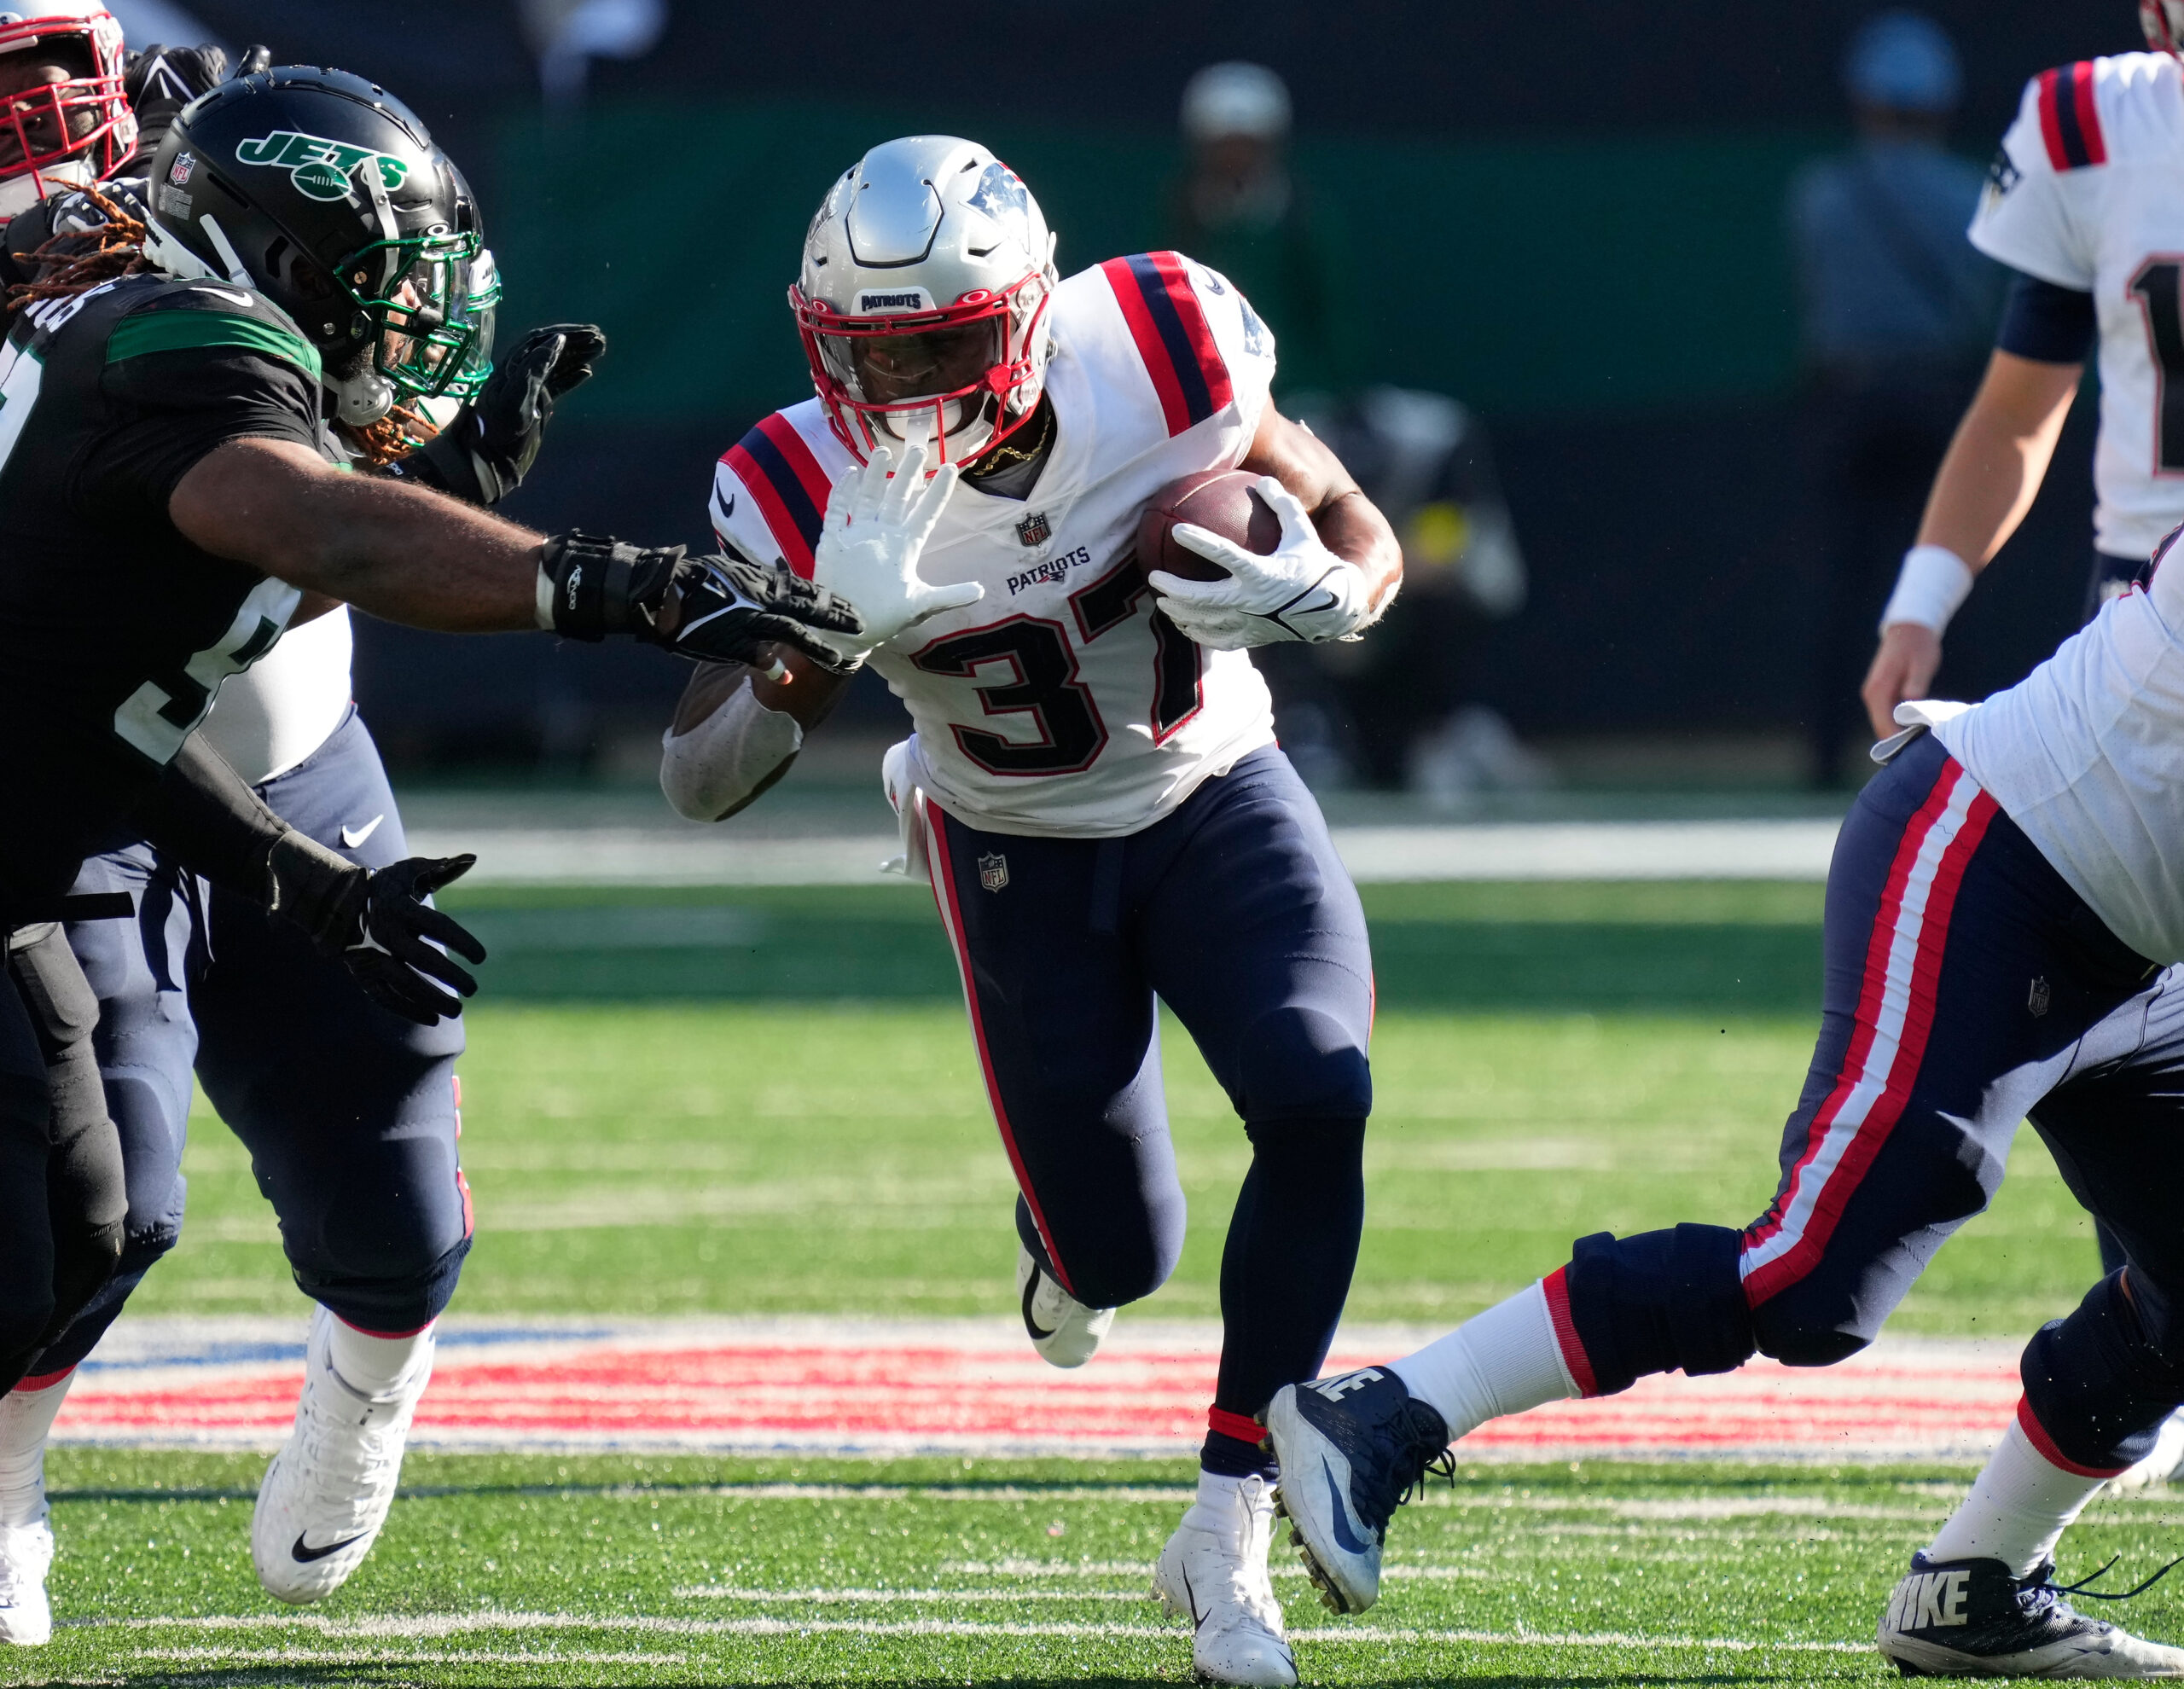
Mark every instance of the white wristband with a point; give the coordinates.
(1933, 581)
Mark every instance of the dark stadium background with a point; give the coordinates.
(1569, 216)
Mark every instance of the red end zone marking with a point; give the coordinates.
(819, 1394)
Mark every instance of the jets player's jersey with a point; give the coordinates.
(2086, 754)
(1061, 703)
(115, 631)
(2088, 192)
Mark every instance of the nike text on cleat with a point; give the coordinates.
(328, 1491)
(1970, 1618)
(1213, 1573)
(1351, 1450)
(26, 1557)
(1065, 1331)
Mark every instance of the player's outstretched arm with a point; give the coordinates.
(398, 552)
(1987, 482)
(419, 558)
(1337, 568)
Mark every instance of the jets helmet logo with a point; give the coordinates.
(321, 169)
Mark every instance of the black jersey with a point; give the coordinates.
(115, 631)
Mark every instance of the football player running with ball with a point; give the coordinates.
(1093, 786)
(172, 498)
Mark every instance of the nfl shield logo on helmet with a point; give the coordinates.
(1033, 529)
(993, 871)
(179, 172)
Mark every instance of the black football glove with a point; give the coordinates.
(377, 923)
(483, 454)
(717, 609)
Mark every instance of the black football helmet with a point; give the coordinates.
(326, 193)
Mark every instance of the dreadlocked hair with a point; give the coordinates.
(77, 260)
(397, 434)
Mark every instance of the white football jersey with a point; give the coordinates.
(2086, 754)
(2088, 194)
(1059, 703)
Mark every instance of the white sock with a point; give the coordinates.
(2017, 1510)
(1502, 1362)
(26, 1418)
(1218, 1491)
(376, 1365)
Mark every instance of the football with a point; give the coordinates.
(1224, 501)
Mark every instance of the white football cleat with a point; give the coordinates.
(1213, 1573)
(26, 1557)
(2161, 1466)
(326, 1493)
(1065, 1331)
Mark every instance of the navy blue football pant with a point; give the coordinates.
(348, 1112)
(1967, 988)
(1236, 913)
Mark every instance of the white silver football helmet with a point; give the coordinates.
(73, 131)
(2164, 23)
(923, 299)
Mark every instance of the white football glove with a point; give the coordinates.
(878, 518)
(1300, 591)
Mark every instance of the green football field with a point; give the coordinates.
(726, 1102)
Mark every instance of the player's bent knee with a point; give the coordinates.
(1795, 1344)
(391, 1303)
(1659, 1302)
(1301, 1061)
(1112, 1256)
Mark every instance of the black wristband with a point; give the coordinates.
(603, 586)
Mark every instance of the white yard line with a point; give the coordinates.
(423, 1626)
(635, 855)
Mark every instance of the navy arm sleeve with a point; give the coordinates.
(2045, 323)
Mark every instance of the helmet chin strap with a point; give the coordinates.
(360, 399)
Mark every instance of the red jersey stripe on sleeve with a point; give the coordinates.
(774, 462)
(1173, 337)
(2070, 121)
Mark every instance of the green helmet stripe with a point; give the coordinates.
(159, 331)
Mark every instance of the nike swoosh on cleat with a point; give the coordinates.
(1344, 1539)
(1190, 1595)
(1031, 1289)
(354, 836)
(303, 1553)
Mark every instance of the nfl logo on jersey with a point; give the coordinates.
(993, 871)
(1033, 530)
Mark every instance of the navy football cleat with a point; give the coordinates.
(1970, 1618)
(1351, 1451)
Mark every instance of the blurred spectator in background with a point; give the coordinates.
(568, 34)
(1389, 712)
(1397, 709)
(1899, 312)
(1239, 209)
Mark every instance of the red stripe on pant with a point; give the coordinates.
(951, 917)
(1580, 1364)
(1841, 1182)
(2036, 1433)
